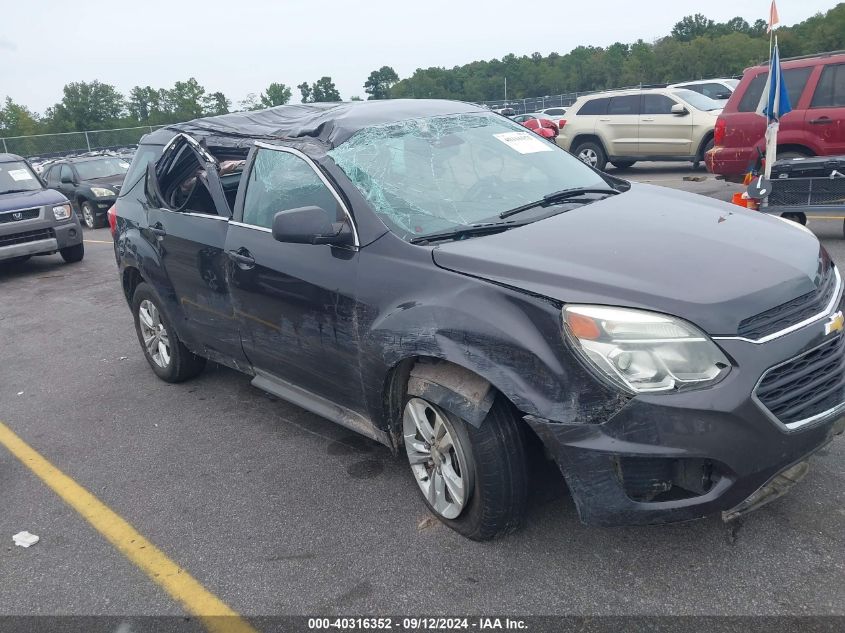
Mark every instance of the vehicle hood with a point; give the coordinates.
(30, 199)
(111, 182)
(706, 261)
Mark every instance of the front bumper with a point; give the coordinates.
(39, 236)
(682, 456)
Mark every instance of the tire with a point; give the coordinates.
(591, 153)
(798, 217)
(90, 219)
(493, 467)
(174, 362)
(73, 254)
(623, 164)
(700, 158)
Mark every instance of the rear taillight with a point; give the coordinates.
(561, 123)
(719, 131)
(112, 216)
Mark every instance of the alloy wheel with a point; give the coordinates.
(589, 156)
(88, 216)
(438, 460)
(154, 333)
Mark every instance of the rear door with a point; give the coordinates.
(620, 127)
(824, 120)
(187, 221)
(661, 132)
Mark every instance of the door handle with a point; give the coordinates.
(650, 119)
(242, 258)
(158, 229)
(821, 121)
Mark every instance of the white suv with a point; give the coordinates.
(624, 126)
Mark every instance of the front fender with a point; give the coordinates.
(510, 339)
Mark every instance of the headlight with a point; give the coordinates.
(643, 351)
(62, 212)
(102, 192)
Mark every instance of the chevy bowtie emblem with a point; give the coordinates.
(835, 323)
(17, 216)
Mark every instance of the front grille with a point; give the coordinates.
(807, 385)
(791, 312)
(25, 214)
(26, 236)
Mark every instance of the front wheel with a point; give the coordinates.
(475, 480)
(167, 355)
(592, 154)
(73, 254)
(89, 216)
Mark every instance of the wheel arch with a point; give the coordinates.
(796, 147)
(586, 137)
(706, 139)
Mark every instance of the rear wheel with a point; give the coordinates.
(707, 147)
(475, 480)
(73, 254)
(591, 153)
(623, 164)
(792, 154)
(167, 355)
(798, 217)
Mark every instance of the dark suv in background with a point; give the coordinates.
(440, 279)
(34, 220)
(91, 183)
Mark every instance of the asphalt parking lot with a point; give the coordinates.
(276, 511)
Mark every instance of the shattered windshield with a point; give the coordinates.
(434, 174)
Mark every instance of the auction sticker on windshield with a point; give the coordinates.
(20, 174)
(523, 142)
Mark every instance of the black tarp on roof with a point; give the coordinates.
(330, 124)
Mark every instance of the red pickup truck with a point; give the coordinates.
(815, 127)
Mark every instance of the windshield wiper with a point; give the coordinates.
(467, 231)
(16, 191)
(558, 196)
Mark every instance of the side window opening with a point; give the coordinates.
(280, 181)
(594, 107)
(183, 181)
(795, 79)
(830, 91)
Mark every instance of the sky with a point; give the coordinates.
(239, 47)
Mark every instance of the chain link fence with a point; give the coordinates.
(60, 144)
(534, 104)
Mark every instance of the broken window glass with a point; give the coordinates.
(433, 174)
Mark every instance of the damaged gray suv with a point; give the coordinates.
(440, 279)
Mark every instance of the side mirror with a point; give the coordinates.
(310, 225)
(679, 109)
(723, 95)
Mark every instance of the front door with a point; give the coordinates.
(661, 132)
(295, 302)
(187, 222)
(825, 118)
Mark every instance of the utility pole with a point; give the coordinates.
(506, 88)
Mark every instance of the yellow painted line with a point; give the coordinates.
(97, 242)
(216, 616)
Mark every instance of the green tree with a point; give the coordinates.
(187, 100)
(87, 106)
(692, 26)
(306, 91)
(215, 103)
(276, 94)
(380, 82)
(17, 120)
